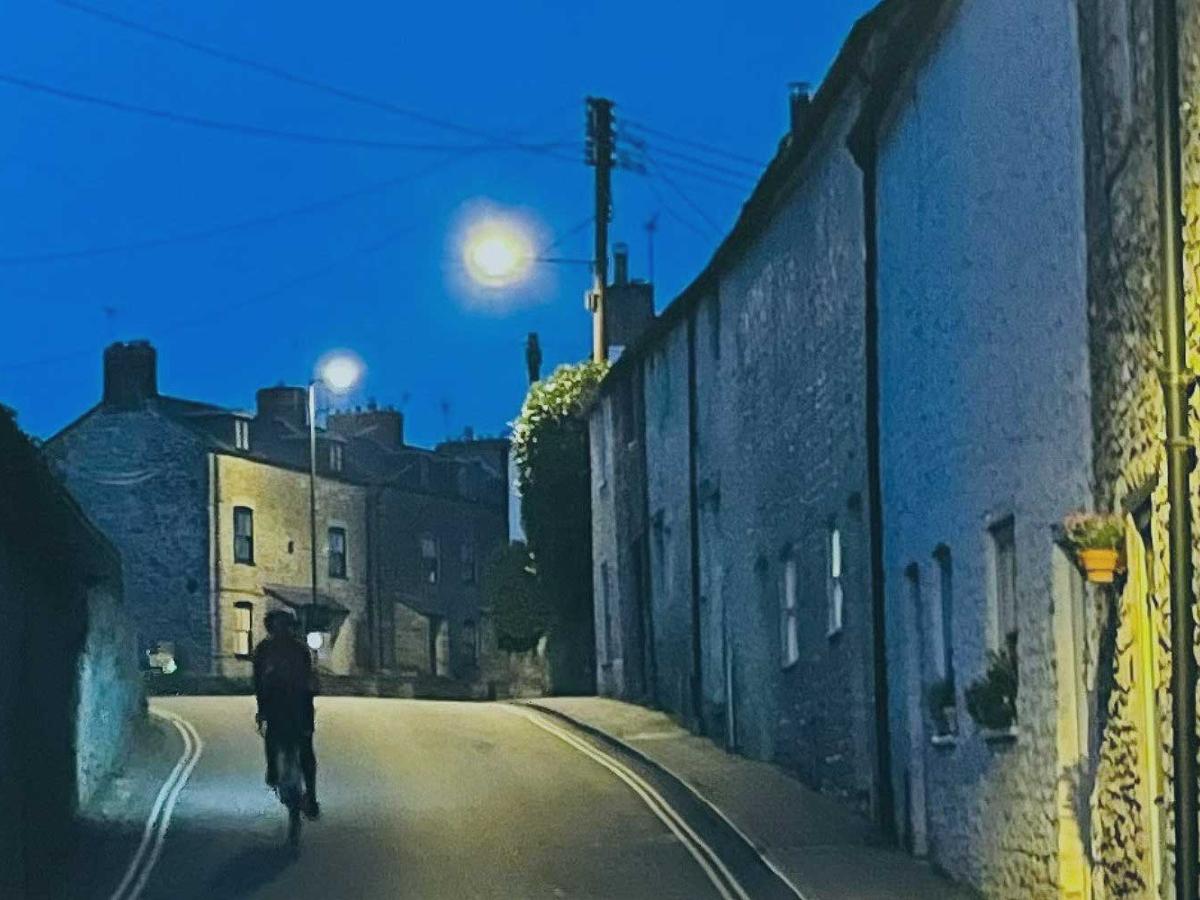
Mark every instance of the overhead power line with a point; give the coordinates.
(203, 234)
(256, 131)
(303, 80)
(687, 142)
(215, 313)
(683, 195)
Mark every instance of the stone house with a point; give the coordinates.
(1130, 768)
(972, 146)
(735, 433)
(209, 508)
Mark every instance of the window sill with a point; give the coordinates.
(998, 737)
(945, 741)
(243, 562)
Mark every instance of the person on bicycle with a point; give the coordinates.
(284, 685)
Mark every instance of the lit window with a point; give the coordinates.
(1004, 580)
(241, 434)
(467, 559)
(429, 559)
(836, 595)
(243, 630)
(337, 552)
(789, 633)
(243, 535)
(335, 457)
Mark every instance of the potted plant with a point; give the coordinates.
(992, 698)
(943, 707)
(1097, 539)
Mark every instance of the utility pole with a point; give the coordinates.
(600, 154)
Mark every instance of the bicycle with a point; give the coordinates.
(290, 789)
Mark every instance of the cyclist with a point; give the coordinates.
(284, 684)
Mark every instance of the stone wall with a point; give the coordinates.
(110, 696)
(400, 519)
(143, 479)
(279, 499)
(68, 691)
(985, 416)
(783, 455)
(1124, 280)
(665, 386)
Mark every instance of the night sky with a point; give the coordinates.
(248, 223)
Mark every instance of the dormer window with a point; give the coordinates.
(335, 457)
(241, 434)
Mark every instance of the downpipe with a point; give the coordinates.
(1177, 382)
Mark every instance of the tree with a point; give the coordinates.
(550, 446)
(511, 590)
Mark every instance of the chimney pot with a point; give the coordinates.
(800, 101)
(621, 264)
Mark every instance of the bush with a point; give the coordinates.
(992, 699)
(510, 588)
(1094, 531)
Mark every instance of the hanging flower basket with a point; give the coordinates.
(1100, 566)
(1097, 538)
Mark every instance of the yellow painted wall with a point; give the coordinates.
(279, 498)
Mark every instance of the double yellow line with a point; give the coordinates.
(710, 863)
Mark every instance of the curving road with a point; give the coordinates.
(420, 800)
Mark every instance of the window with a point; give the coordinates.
(337, 552)
(834, 590)
(335, 457)
(241, 434)
(789, 634)
(470, 640)
(606, 610)
(946, 608)
(467, 561)
(243, 630)
(429, 559)
(243, 535)
(1004, 581)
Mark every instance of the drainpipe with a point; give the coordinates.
(1177, 383)
(694, 529)
(862, 146)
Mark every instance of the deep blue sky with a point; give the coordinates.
(259, 304)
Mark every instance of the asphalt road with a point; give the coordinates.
(419, 800)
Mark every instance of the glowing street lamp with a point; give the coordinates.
(338, 371)
(497, 252)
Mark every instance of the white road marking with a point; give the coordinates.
(727, 886)
(155, 832)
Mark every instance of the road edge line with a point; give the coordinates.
(135, 863)
(699, 850)
(684, 783)
(164, 821)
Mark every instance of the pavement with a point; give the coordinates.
(420, 799)
(823, 850)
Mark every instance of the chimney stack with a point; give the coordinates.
(284, 404)
(620, 264)
(130, 374)
(800, 101)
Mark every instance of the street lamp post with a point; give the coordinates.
(339, 372)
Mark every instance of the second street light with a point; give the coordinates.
(339, 372)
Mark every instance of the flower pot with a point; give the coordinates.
(1101, 566)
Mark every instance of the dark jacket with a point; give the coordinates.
(284, 684)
